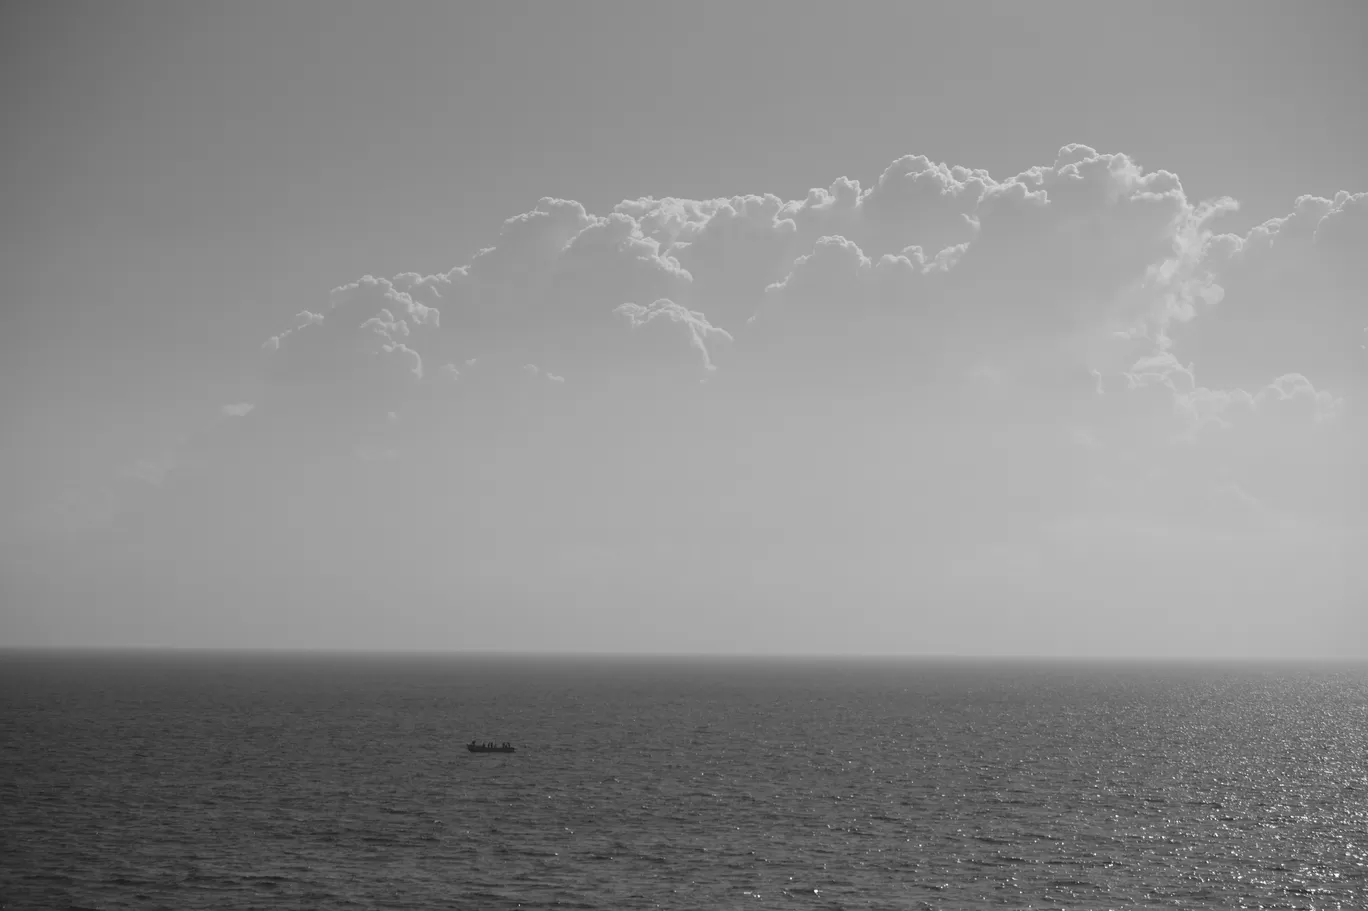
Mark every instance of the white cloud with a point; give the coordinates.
(1088, 274)
(302, 319)
(1292, 298)
(681, 322)
(942, 376)
(1085, 263)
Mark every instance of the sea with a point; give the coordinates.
(256, 780)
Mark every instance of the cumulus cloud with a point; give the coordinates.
(940, 369)
(1088, 275)
(302, 319)
(1290, 395)
(1086, 265)
(361, 352)
(914, 202)
(1291, 297)
(677, 322)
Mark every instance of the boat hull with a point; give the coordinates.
(479, 749)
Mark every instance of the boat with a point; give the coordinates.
(490, 747)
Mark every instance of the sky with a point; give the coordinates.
(955, 329)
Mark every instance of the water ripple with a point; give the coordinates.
(233, 782)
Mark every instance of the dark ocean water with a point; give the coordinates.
(231, 782)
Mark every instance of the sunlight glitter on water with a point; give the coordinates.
(211, 785)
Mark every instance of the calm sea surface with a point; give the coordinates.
(231, 782)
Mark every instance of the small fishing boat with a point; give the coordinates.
(504, 747)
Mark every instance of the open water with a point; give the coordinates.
(253, 781)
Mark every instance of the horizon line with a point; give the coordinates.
(545, 654)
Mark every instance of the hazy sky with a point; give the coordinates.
(1063, 355)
